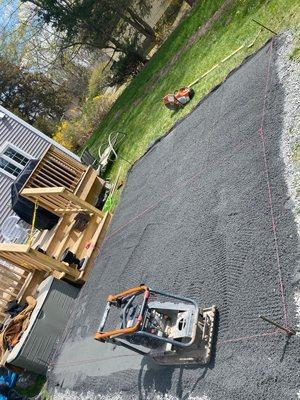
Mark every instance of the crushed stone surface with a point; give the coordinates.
(194, 220)
(289, 76)
(288, 73)
(71, 395)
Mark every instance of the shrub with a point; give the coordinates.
(99, 80)
(75, 133)
(63, 137)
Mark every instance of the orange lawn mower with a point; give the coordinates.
(184, 95)
(179, 98)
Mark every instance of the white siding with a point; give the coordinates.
(28, 139)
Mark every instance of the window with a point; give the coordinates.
(12, 160)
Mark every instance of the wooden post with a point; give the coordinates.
(287, 329)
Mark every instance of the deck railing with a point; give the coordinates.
(64, 187)
(59, 201)
(56, 169)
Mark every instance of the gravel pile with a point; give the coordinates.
(195, 219)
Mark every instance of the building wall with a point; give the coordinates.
(26, 138)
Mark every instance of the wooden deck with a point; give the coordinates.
(65, 187)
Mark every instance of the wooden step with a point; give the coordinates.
(13, 273)
(8, 284)
(10, 292)
(45, 240)
(41, 238)
(93, 242)
(77, 241)
(62, 245)
(86, 236)
(11, 280)
(12, 287)
(4, 287)
(64, 222)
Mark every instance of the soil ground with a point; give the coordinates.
(205, 213)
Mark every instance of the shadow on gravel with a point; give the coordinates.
(153, 377)
(285, 348)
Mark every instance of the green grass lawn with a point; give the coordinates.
(139, 110)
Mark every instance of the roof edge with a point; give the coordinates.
(41, 134)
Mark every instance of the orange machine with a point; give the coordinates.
(179, 99)
(170, 329)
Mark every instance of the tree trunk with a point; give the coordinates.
(143, 24)
(131, 17)
(123, 49)
(138, 27)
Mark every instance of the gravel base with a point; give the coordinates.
(288, 73)
(195, 220)
(71, 395)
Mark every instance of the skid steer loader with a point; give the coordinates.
(171, 332)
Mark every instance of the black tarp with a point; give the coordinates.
(24, 208)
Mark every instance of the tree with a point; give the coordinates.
(128, 13)
(93, 23)
(36, 46)
(31, 95)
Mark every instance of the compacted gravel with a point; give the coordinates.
(205, 213)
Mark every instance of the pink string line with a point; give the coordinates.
(270, 195)
(267, 333)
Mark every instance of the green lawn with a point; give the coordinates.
(139, 110)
